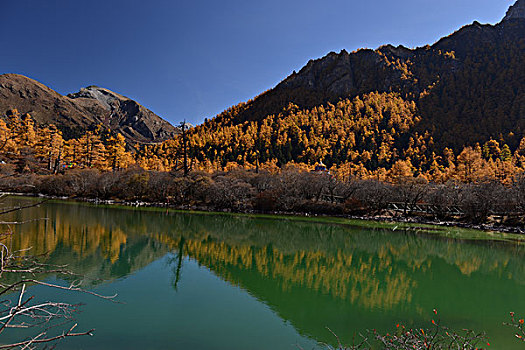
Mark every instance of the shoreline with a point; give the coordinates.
(413, 222)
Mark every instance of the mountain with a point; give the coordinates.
(468, 87)
(75, 113)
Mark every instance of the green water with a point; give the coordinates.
(190, 281)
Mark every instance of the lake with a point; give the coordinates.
(212, 281)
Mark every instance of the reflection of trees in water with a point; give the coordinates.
(90, 243)
(334, 259)
(357, 278)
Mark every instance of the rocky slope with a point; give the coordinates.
(77, 112)
(516, 11)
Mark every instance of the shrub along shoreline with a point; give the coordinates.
(484, 205)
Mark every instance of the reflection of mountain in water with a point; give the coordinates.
(311, 274)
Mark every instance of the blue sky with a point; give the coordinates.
(193, 59)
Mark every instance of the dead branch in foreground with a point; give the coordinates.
(40, 338)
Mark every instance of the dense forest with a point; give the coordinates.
(369, 138)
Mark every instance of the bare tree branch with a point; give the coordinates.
(36, 339)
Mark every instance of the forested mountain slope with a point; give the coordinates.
(468, 87)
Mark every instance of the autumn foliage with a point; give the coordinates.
(43, 149)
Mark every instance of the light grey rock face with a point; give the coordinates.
(105, 97)
(516, 11)
(120, 113)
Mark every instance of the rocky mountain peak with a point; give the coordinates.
(516, 11)
(107, 98)
(121, 113)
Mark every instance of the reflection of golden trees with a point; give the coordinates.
(468, 258)
(373, 268)
(302, 254)
(368, 281)
(468, 267)
(45, 236)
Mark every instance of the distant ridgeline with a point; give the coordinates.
(453, 110)
(75, 113)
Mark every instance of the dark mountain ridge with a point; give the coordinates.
(516, 11)
(78, 112)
